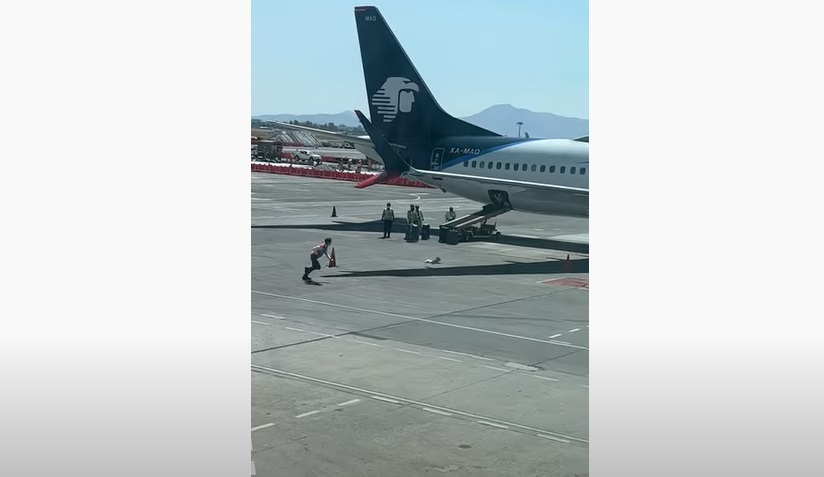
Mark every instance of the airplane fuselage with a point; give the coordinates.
(558, 162)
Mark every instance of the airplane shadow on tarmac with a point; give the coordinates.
(399, 227)
(511, 268)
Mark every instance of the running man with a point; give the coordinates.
(318, 251)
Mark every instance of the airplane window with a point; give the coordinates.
(534, 167)
(572, 170)
(482, 165)
(506, 166)
(551, 168)
(563, 168)
(474, 163)
(466, 163)
(543, 168)
(489, 165)
(498, 165)
(583, 170)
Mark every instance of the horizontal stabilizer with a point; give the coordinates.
(377, 179)
(392, 161)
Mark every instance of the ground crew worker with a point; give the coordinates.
(388, 216)
(412, 220)
(420, 222)
(450, 214)
(318, 251)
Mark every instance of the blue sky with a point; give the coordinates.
(533, 54)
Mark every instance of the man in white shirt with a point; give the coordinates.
(318, 251)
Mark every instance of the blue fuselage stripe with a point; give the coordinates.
(467, 157)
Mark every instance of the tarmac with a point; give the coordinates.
(390, 366)
(330, 151)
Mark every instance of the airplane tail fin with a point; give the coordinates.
(400, 104)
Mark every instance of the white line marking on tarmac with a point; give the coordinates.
(395, 315)
(487, 423)
(295, 329)
(263, 426)
(437, 411)
(362, 342)
(496, 369)
(467, 354)
(522, 367)
(406, 351)
(585, 385)
(555, 335)
(306, 414)
(385, 399)
(561, 342)
(353, 401)
(553, 438)
(321, 334)
(274, 317)
(412, 401)
(450, 359)
(576, 329)
(260, 322)
(544, 377)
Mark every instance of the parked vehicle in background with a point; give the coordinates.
(306, 156)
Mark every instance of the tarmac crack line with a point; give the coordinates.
(427, 320)
(426, 355)
(553, 359)
(482, 380)
(404, 402)
(324, 336)
(290, 345)
(513, 300)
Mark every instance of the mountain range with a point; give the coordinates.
(501, 118)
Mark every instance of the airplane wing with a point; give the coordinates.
(327, 135)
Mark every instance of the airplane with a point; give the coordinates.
(418, 139)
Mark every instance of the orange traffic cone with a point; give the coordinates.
(334, 212)
(332, 261)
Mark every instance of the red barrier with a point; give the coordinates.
(332, 175)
